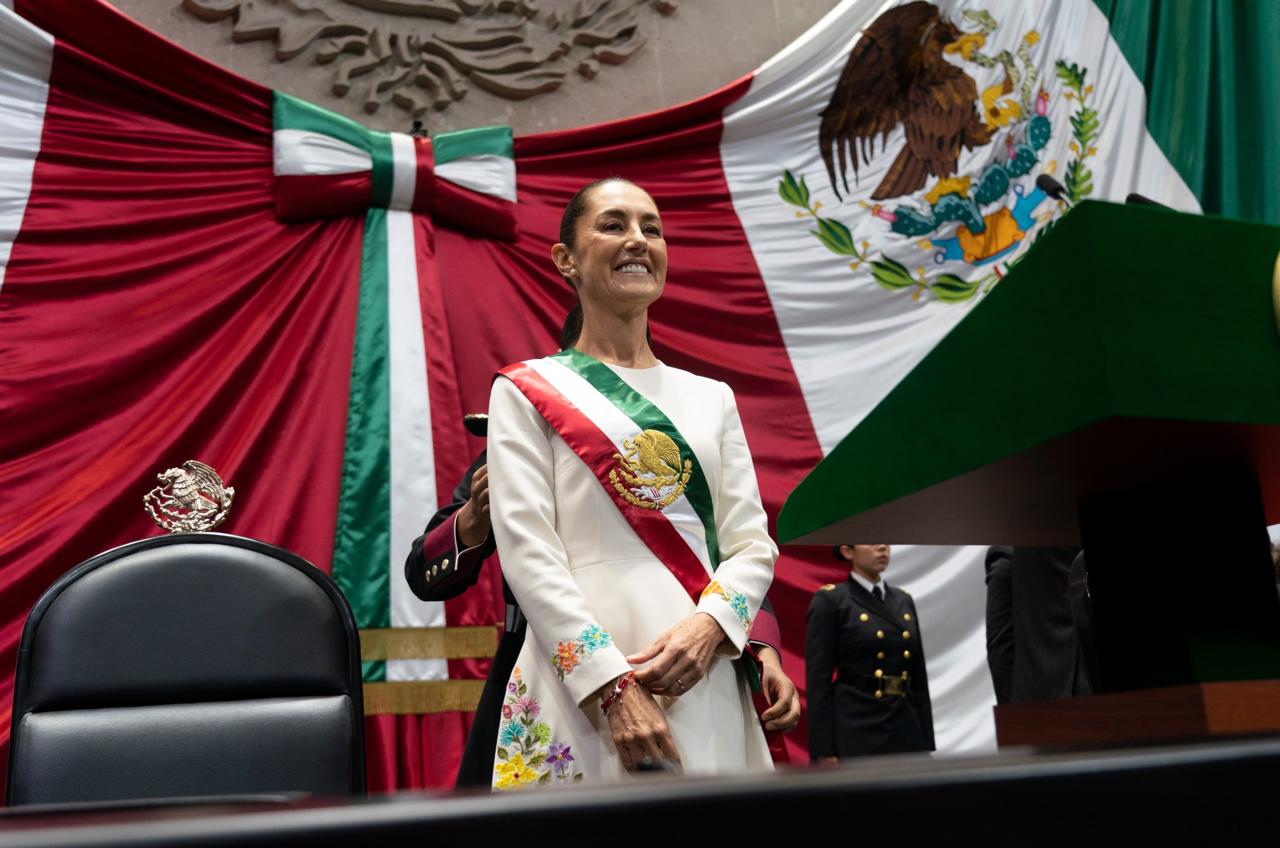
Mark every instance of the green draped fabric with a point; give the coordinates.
(1212, 73)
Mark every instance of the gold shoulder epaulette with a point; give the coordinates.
(826, 587)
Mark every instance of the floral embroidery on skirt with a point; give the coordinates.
(527, 755)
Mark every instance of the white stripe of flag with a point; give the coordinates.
(24, 92)
(304, 153)
(413, 472)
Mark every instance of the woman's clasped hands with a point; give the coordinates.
(677, 660)
(640, 730)
(680, 656)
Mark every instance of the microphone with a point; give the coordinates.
(1053, 188)
(1135, 199)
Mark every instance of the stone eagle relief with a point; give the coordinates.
(425, 54)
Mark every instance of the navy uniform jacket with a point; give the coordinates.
(855, 647)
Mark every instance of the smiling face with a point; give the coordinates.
(618, 258)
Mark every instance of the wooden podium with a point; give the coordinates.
(1170, 713)
(1120, 389)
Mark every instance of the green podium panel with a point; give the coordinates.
(1120, 389)
(1130, 345)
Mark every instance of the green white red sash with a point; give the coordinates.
(600, 417)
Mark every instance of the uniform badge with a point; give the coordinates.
(190, 499)
(651, 474)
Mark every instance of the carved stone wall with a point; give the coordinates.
(535, 64)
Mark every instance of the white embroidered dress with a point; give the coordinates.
(593, 592)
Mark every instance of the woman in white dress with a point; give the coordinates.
(630, 529)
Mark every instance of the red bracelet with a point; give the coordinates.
(619, 686)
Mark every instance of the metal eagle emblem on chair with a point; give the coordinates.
(651, 474)
(190, 499)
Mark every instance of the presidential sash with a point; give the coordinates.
(643, 462)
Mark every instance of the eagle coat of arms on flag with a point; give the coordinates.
(958, 228)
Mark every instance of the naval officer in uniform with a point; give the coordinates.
(867, 686)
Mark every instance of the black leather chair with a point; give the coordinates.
(187, 665)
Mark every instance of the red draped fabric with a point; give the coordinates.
(155, 310)
(413, 751)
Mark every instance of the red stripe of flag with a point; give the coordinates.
(425, 177)
(309, 197)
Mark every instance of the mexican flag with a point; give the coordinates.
(194, 267)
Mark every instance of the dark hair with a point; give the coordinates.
(572, 327)
(577, 207)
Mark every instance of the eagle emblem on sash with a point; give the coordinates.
(651, 473)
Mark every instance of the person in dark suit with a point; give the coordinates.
(867, 685)
(999, 568)
(1033, 650)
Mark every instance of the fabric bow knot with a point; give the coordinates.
(328, 166)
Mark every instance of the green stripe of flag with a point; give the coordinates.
(648, 416)
(1212, 76)
(290, 113)
(362, 543)
(481, 141)
(383, 168)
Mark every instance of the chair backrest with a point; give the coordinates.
(187, 665)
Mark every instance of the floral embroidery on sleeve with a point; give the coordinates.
(736, 600)
(567, 655)
(526, 754)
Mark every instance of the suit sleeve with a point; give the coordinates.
(523, 510)
(1000, 638)
(920, 685)
(438, 566)
(765, 630)
(819, 662)
(747, 552)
